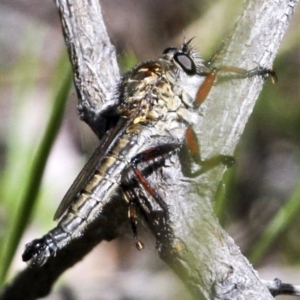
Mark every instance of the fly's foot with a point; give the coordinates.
(227, 160)
(272, 74)
(263, 72)
(208, 164)
(139, 245)
(230, 72)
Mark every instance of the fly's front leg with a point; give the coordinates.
(219, 74)
(226, 73)
(205, 87)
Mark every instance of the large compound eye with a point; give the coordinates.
(186, 63)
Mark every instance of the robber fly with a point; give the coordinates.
(155, 112)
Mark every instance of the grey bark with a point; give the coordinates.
(210, 262)
(93, 58)
(203, 255)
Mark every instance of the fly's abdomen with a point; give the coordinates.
(87, 205)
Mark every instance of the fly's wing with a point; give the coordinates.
(88, 170)
(83, 177)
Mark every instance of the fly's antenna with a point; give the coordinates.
(185, 45)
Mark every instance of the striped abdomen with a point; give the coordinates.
(88, 204)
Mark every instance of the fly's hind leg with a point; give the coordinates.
(148, 155)
(158, 220)
(131, 198)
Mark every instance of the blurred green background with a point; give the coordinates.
(261, 203)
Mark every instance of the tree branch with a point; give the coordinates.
(207, 259)
(93, 58)
(203, 255)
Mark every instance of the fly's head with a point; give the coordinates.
(186, 67)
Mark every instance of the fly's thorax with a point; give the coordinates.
(161, 93)
(155, 90)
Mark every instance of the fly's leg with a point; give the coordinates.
(193, 148)
(226, 73)
(230, 73)
(158, 220)
(191, 142)
(205, 87)
(131, 198)
(149, 155)
(133, 220)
